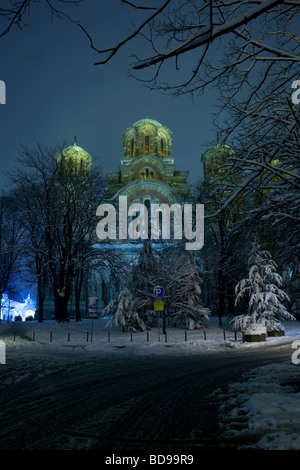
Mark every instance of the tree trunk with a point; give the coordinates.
(230, 298)
(41, 308)
(221, 288)
(77, 307)
(164, 317)
(78, 290)
(61, 308)
(41, 298)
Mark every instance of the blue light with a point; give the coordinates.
(14, 309)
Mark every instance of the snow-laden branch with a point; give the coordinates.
(204, 37)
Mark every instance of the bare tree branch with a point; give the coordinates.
(16, 11)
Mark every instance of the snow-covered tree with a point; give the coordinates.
(183, 291)
(176, 271)
(293, 285)
(132, 307)
(11, 238)
(145, 271)
(59, 216)
(263, 293)
(124, 312)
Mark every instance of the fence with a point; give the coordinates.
(112, 337)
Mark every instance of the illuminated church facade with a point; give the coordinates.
(146, 175)
(147, 171)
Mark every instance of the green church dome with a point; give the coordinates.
(74, 160)
(147, 121)
(76, 152)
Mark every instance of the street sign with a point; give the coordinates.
(158, 293)
(159, 305)
(93, 307)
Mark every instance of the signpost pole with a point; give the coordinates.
(93, 312)
(158, 326)
(92, 328)
(159, 304)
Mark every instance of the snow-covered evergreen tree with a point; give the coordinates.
(186, 296)
(262, 290)
(176, 271)
(293, 285)
(145, 271)
(132, 308)
(124, 313)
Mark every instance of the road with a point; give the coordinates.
(119, 403)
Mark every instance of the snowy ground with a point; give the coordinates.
(263, 407)
(94, 337)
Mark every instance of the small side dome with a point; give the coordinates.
(215, 158)
(147, 136)
(74, 160)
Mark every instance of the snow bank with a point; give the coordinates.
(262, 410)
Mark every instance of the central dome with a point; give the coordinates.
(147, 136)
(147, 121)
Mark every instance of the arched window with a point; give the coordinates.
(162, 147)
(148, 207)
(147, 144)
(147, 204)
(159, 221)
(147, 173)
(81, 167)
(131, 152)
(69, 166)
(211, 165)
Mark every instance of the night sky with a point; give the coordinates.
(54, 91)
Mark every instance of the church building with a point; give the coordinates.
(146, 175)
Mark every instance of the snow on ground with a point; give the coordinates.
(94, 337)
(262, 408)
